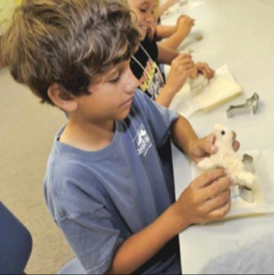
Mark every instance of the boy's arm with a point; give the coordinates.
(142, 246)
(183, 27)
(183, 135)
(165, 55)
(174, 41)
(182, 67)
(163, 31)
(206, 198)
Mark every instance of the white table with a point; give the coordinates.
(239, 33)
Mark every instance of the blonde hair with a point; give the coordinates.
(67, 42)
(152, 32)
(157, 11)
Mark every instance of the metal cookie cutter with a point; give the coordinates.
(245, 192)
(251, 107)
(198, 84)
(249, 163)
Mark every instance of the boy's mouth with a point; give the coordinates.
(144, 28)
(127, 102)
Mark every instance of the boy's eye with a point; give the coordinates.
(115, 79)
(143, 10)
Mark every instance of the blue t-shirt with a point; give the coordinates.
(99, 199)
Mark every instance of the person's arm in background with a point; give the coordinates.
(183, 28)
(181, 69)
(164, 31)
(165, 6)
(166, 55)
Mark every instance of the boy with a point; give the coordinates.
(145, 61)
(104, 185)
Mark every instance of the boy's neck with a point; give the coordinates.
(88, 136)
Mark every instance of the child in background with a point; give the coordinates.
(144, 63)
(104, 184)
(173, 35)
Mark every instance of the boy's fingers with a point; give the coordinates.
(207, 145)
(184, 61)
(186, 67)
(217, 202)
(211, 139)
(205, 73)
(220, 212)
(216, 188)
(208, 177)
(236, 144)
(183, 56)
(193, 74)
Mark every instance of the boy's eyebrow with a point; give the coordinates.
(112, 72)
(145, 3)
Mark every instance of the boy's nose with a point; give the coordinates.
(150, 18)
(131, 82)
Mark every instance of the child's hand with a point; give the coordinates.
(207, 198)
(202, 67)
(172, 2)
(201, 148)
(185, 24)
(181, 68)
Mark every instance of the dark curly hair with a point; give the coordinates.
(67, 42)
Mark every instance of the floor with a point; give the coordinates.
(26, 134)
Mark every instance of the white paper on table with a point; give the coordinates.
(263, 192)
(186, 5)
(222, 88)
(183, 7)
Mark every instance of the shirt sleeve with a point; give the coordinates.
(93, 239)
(84, 218)
(159, 118)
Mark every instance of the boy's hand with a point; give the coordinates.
(201, 148)
(181, 68)
(207, 198)
(185, 24)
(203, 68)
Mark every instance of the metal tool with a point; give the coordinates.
(249, 163)
(245, 192)
(198, 84)
(251, 106)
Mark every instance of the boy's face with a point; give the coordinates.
(143, 14)
(111, 96)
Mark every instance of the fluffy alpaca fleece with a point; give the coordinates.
(255, 258)
(227, 158)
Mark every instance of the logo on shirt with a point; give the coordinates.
(152, 80)
(142, 141)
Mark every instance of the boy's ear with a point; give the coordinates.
(61, 98)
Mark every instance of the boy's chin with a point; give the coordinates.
(143, 35)
(123, 115)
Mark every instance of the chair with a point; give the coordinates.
(72, 267)
(16, 246)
